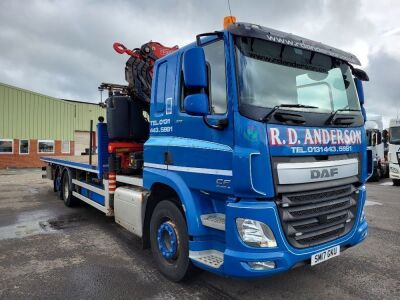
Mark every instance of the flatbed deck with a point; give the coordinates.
(80, 162)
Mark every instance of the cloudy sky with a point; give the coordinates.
(64, 48)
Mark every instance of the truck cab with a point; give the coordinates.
(261, 135)
(394, 151)
(375, 143)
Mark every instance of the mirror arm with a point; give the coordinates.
(218, 34)
(221, 124)
(356, 73)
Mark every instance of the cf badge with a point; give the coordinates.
(223, 183)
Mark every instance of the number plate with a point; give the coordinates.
(325, 255)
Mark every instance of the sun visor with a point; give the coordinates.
(272, 35)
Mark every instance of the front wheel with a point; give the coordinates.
(376, 175)
(396, 182)
(170, 241)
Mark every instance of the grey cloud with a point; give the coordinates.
(382, 92)
(64, 48)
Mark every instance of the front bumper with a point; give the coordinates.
(237, 254)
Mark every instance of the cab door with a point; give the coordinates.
(200, 153)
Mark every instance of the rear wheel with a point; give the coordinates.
(396, 182)
(66, 189)
(170, 241)
(57, 180)
(386, 171)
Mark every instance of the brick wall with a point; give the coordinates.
(31, 160)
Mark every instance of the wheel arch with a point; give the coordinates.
(162, 185)
(72, 174)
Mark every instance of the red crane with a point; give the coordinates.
(139, 67)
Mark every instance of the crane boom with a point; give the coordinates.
(139, 67)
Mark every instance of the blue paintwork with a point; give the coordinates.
(360, 92)
(176, 141)
(102, 150)
(168, 251)
(92, 196)
(192, 201)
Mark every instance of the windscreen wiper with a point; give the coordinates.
(331, 119)
(268, 116)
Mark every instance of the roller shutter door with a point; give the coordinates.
(82, 139)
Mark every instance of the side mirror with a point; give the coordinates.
(370, 163)
(196, 105)
(379, 138)
(364, 114)
(360, 74)
(385, 136)
(194, 68)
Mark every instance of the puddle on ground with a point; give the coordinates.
(63, 222)
(28, 228)
(371, 203)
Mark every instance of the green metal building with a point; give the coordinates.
(32, 124)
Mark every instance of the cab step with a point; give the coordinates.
(215, 220)
(211, 258)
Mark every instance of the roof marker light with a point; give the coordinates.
(228, 20)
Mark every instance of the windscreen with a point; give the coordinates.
(394, 135)
(270, 74)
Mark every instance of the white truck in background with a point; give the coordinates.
(374, 129)
(394, 150)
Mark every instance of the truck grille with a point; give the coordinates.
(315, 217)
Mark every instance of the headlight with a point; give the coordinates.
(255, 233)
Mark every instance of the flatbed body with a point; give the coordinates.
(75, 161)
(95, 191)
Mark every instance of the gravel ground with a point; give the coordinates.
(50, 251)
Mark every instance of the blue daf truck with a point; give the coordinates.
(251, 159)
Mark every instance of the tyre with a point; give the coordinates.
(66, 188)
(376, 175)
(57, 180)
(381, 172)
(396, 182)
(386, 170)
(170, 241)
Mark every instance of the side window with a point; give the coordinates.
(215, 59)
(23, 146)
(6, 146)
(45, 146)
(160, 87)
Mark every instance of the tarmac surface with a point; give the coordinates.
(48, 250)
